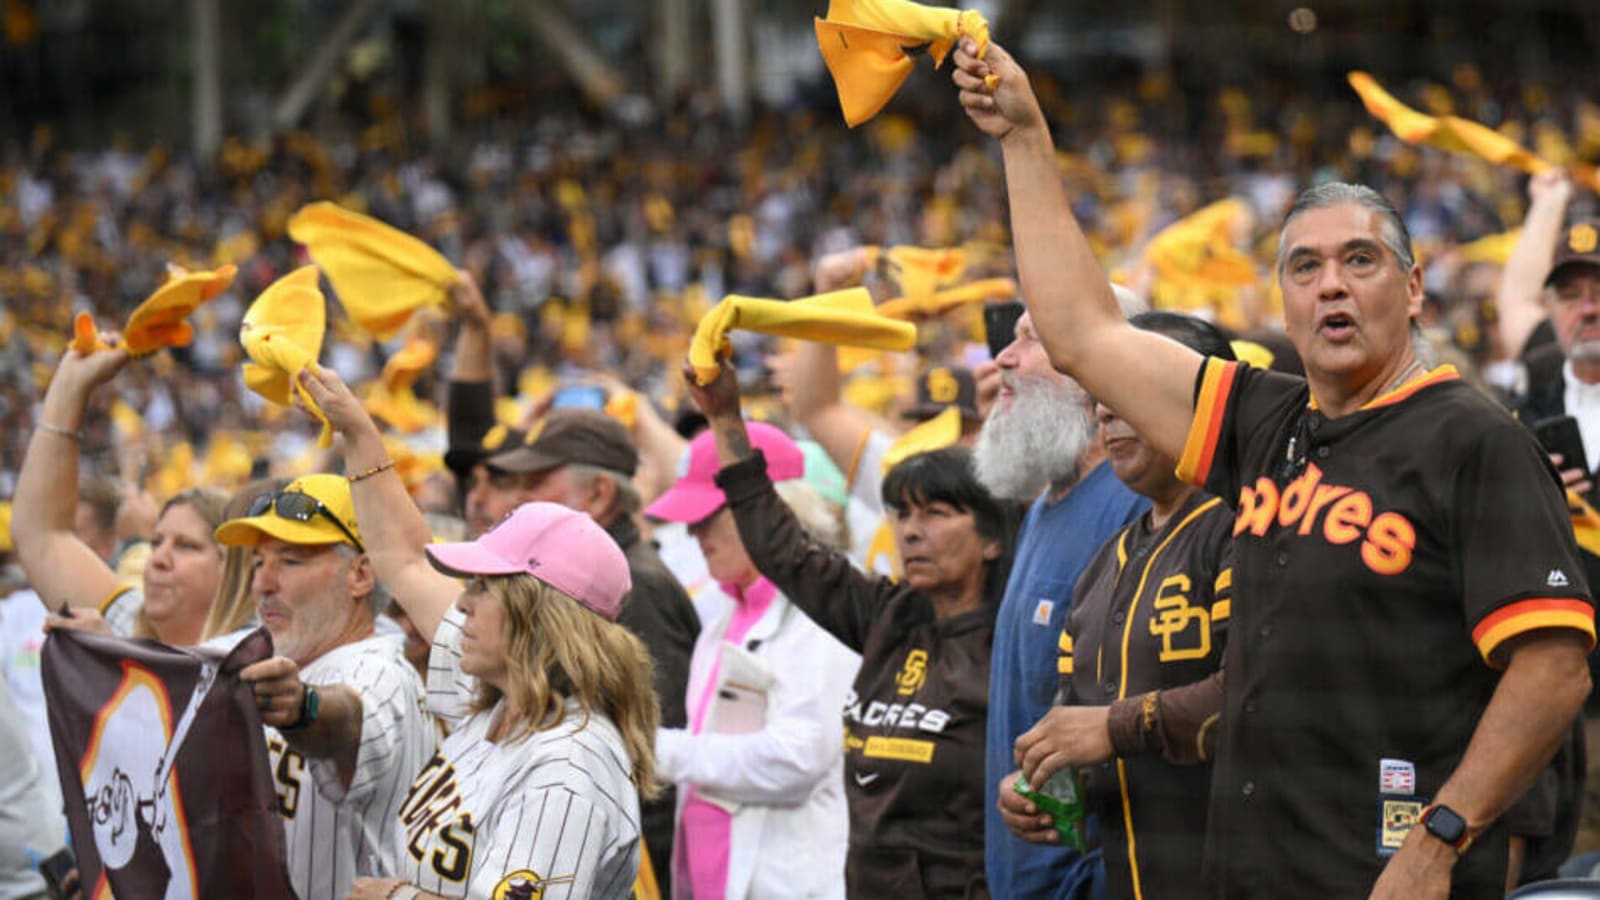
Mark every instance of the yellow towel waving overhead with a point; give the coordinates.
(1454, 133)
(921, 272)
(909, 307)
(382, 274)
(843, 317)
(868, 47)
(282, 334)
(159, 321)
(392, 399)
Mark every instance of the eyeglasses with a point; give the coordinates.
(298, 507)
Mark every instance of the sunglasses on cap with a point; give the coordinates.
(298, 507)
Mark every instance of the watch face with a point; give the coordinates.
(1445, 824)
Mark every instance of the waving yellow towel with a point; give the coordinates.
(382, 274)
(868, 47)
(939, 432)
(843, 317)
(943, 301)
(391, 398)
(1454, 133)
(282, 334)
(159, 321)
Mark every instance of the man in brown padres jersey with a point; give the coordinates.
(1141, 658)
(1410, 638)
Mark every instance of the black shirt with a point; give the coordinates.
(1382, 560)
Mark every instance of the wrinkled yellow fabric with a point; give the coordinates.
(282, 334)
(159, 321)
(1585, 524)
(865, 42)
(391, 398)
(1495, 248)
(944, 301)
(1454, 133)
(937, 433)
(1253, 353)
(381, 273)
(843, 317)
(1197, 265)
(920, 272)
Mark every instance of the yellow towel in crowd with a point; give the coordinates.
(843, 317)
(865, 42)
(1198, 265)
(943, 301)
(939, 432)
(282, 334)
(920, 271)
(392, 400)
(159, 321)
(382, 274)
(1453, 133)
(1495, 248)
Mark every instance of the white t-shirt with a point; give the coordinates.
(336, 834)
(554, 810)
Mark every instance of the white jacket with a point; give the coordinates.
(790, 828)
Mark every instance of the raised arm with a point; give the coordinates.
(820, 581)
(1519, 300)
(1146, 378)
(60, 567)
(392, 528)
(810, 374)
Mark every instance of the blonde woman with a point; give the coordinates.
(537, 794)
(185, 565)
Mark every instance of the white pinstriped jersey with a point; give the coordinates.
(336, 834)
(121, 611)
(551, 815)
(450, 690)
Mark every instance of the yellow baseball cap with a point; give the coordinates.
(314, 510)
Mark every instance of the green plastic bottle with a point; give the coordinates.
(1061, 797)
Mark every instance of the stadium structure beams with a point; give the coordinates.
(303, 89)
(588, 66)
(205, 17)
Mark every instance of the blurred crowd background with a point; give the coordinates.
(607, 170)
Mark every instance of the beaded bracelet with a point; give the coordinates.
(381, 467)
(59, 431)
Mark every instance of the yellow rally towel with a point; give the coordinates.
(1197, 265)
(943, 301)
(1585, 524)
(865, 44)
(843, 317)
(937, 433)
(391, 398)
(159, 321)
(919, 271)
(1453, 133)
(1495, 248)
(282, 334)
(382, 274)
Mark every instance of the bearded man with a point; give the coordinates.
(1038, 445)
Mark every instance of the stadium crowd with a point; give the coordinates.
(949, 550)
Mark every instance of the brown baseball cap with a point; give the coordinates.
(944, 386)
(585, 436)
(1579, 245)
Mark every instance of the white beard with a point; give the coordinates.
(1033, 441)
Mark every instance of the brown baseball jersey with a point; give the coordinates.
(1149, 619)
(1383, 559)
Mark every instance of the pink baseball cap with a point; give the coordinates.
(695, 495)
(559, 546)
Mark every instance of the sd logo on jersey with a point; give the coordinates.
(525, 884)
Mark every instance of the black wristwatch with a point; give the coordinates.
(1447, 825)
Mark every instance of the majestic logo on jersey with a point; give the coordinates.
(1184, 628)
(911, 678)
(526, 884)
(1342, 515)
(1556, 578)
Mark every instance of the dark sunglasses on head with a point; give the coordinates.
(298, 507)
